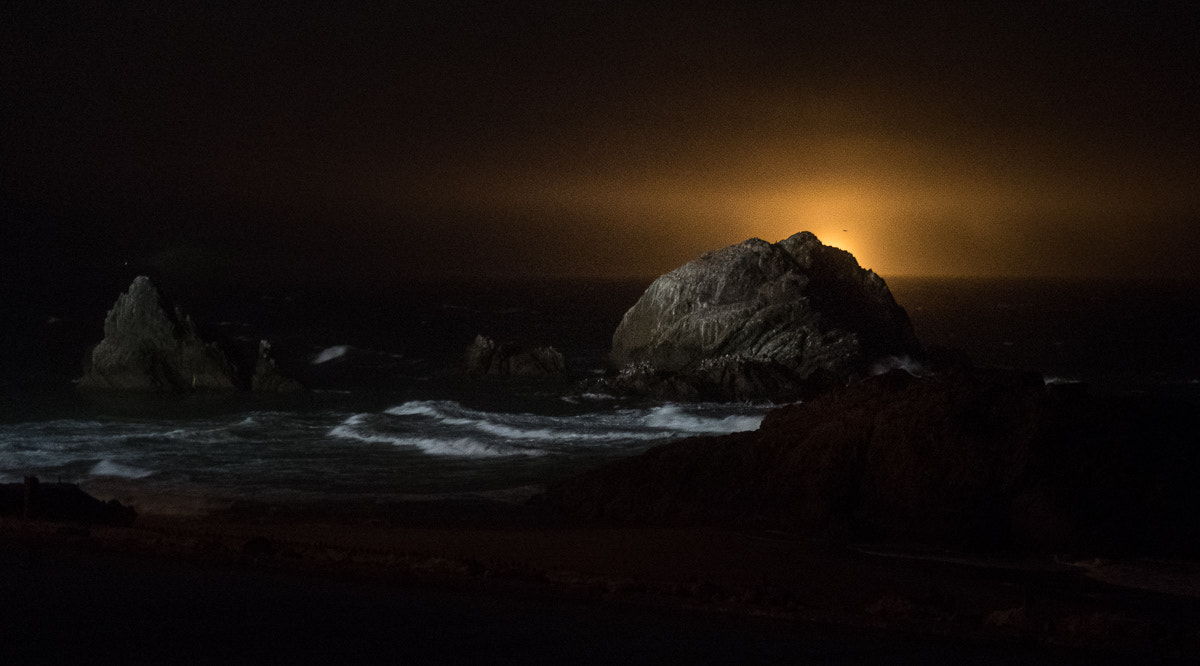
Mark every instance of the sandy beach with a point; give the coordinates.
(272, 585)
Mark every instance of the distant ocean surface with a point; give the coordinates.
(387, 418)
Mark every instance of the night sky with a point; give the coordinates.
(479, 139)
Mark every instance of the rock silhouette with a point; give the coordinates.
(60, 502)
(970, 458)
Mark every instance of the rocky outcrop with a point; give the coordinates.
(487, 358)
(798, 305)
(149, 348)
(731, 377)
(266, 377)
(970, 459)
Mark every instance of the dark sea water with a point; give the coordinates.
(1115, 335)
(388, 418)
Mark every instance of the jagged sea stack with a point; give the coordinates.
(793, 312)
(148, 348)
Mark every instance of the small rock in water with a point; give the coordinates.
(486, 357)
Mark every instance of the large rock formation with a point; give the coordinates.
(151, 349)
(971, 458)
(148, 347)
(797, 304)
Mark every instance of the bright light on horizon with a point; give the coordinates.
(898, 219)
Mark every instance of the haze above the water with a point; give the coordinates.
(432, 139)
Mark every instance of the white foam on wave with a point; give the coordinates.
(356, 428)
(567, 429)
(330, 353)
(1052, 380)
(418, 408)
(673, 418)
(511, 432)
(529, 427)
(467, 447)
(108, 467)
(218, 434)
(448, 428)
(453, 414)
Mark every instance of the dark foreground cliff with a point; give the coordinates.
(280, 584)
(973, 458)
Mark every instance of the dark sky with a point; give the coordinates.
(565, 138)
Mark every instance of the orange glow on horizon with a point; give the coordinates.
(898, 218)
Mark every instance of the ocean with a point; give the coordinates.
(388, 418)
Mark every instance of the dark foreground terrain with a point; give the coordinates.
(252, 588)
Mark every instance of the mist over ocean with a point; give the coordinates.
(388, 418)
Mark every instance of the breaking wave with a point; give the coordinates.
(414, 446)
(449, 428)
(677, 420)
(460, 446)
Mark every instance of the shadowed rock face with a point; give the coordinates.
(796, 303)
(63, 502)
(266, 377)
(971, 458)
(486, 357)
(146, 348)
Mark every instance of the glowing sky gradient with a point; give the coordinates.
(461, 138)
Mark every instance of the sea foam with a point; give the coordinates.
(330, 353)
(107, 467)
(361, 427)
(673, 418)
